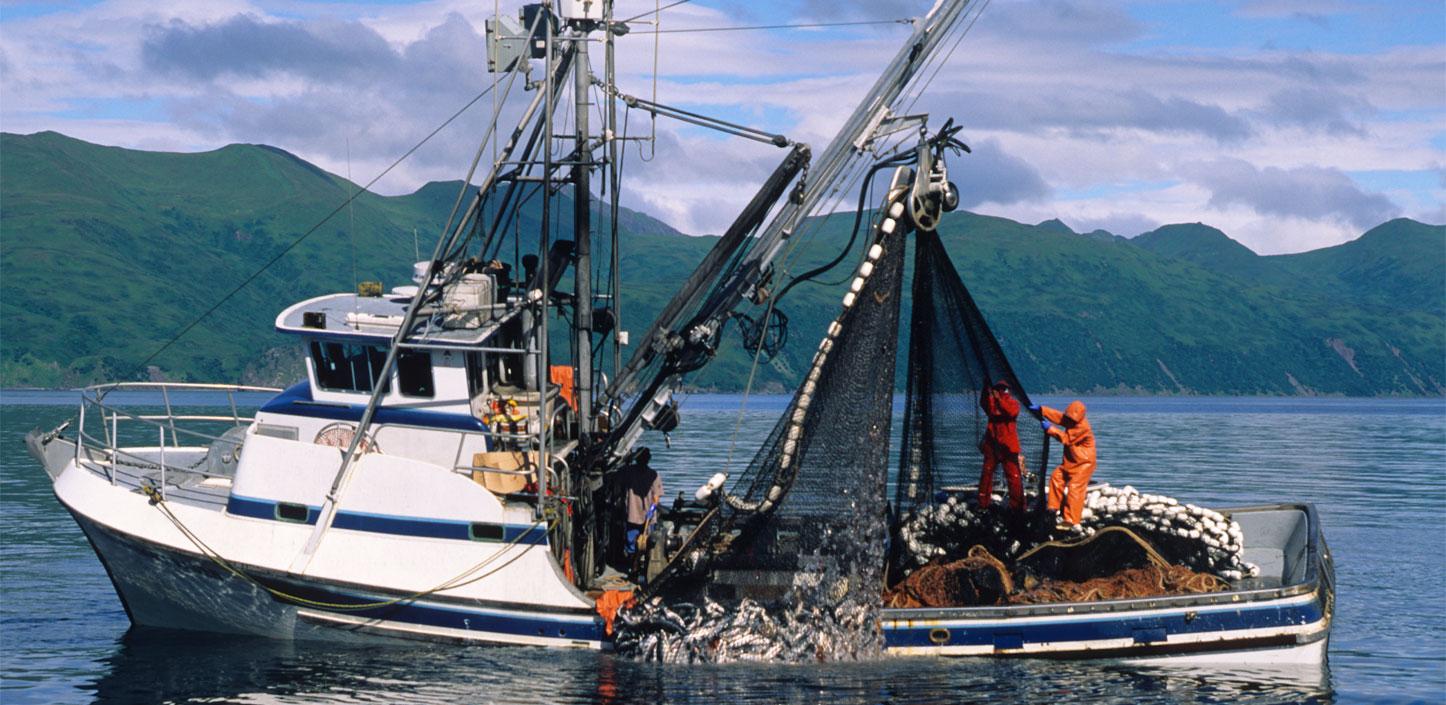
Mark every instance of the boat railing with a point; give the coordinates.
(192, 427)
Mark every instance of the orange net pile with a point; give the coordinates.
(1149, 581)
(979, 579)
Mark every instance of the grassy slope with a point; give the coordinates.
(1377, 304)
(107, 252)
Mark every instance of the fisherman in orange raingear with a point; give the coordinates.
(1068, 482)
(1000, 445)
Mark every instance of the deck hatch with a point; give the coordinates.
(289, 433)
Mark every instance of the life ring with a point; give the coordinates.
(340, 435)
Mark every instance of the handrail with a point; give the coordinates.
(108, 386)
(116, 453)
(168, 421)
(110, 416)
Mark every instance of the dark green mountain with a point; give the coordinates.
(1209, 248)
(1395, 264)
(107, 253)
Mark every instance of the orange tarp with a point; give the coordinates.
(608, 605)
(561, 375)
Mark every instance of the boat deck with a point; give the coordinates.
(178, 475)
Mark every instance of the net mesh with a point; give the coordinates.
(953, 357)
(829, 453)
(805, 523)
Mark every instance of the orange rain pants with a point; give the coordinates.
(1068, 483)
(996, 454)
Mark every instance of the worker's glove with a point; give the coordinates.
(1044, 425)
(1034, 409)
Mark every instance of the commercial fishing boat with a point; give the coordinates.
(447, 468)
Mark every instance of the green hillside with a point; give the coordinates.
(1397, 264)
(106, 253)
(1209, 248)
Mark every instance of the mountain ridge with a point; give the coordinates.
(109, 251)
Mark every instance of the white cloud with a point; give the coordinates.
(1071, 119)
(1311, 193)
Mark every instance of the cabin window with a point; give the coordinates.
(343, 367)
(414, 373)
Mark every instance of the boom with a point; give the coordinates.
(875, 116)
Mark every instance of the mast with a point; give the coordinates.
(544, 254)
(610, 80)
(582, 229)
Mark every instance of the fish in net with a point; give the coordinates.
(796, 548)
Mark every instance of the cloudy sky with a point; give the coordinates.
(1290, 124)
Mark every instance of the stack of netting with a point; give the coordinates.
(1112, 564)
(804, 527)
(1199, 538)
(1186, 535)
(953, 358)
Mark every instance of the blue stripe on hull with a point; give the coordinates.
(526, 534)
(432, 614)
(1143, 630)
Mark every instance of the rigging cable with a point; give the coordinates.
(802, 25)
(948, 55)
(653, 11)
(277, 257)
(653, 133)
(853, 234)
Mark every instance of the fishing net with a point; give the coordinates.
(1113, 564)
(947, 549)
(804, 525)
(1196, 538)
(953, 358)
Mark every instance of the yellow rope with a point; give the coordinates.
(1154, 555)
(159, 502)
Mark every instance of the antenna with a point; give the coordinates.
(351, 233)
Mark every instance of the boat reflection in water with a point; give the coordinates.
(151, 665)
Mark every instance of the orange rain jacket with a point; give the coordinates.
(1079, 459)
(1002, 410)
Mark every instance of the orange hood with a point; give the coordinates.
(1075, 411)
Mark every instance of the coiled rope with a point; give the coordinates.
(1150, 551)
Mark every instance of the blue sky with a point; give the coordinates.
(1289, 124)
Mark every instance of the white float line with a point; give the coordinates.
(835, 328)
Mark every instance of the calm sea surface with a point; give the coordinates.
(1376, 469)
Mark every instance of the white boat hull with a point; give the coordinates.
(165, 581)
(168, 588)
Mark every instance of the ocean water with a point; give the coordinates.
(1376, 470)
